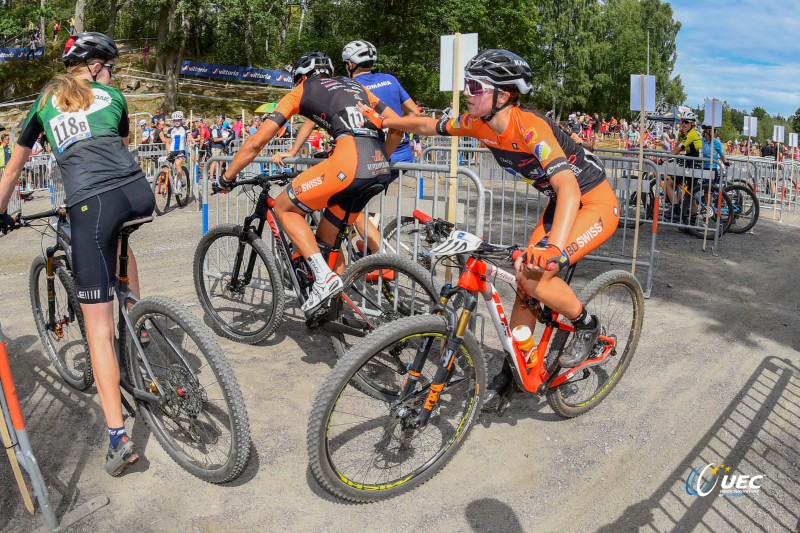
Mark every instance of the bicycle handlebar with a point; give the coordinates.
(262, 179)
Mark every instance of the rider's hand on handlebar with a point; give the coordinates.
(541, 258)
(279, 157)
(371, 115)
(8, 223)
(221, 186)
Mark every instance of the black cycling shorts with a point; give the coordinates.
(95, 226)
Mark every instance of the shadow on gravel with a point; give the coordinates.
(758, 434)
(489, 514)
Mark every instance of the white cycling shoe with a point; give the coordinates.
(322, 292)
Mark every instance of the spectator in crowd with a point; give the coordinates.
(712, 150)
(237, 127)
(255, 122)
(32, 45)
(72, 25)
(158, 115)
(217, 145)
(56, 30)
(5, 150)
(769, 150)
(146, 133)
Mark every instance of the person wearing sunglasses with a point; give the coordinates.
(358, 161)
(86, 123)
(582, 212)
(689, 141)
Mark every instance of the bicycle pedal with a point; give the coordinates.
(317, 318)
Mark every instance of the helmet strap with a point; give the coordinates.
(495, 108)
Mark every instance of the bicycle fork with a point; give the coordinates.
(455, 337)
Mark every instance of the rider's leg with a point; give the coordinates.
(327, 231)
(292, 219)
(373, 235)
(99, 320)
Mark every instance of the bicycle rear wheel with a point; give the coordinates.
(246, 313)
(378, 289)
(745, 207)
(162, 189)
(203, 423)
(362, 447)
(181, 189)
(616, 298)
(64, 337)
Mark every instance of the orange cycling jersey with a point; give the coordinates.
(533, 147)
(332, 104)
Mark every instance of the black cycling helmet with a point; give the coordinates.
(313, 63)
(500, 68)
(503, 70)
(88, 45)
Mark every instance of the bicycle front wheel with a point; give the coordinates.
(250, 308)
(745, 207)
(63, 334)
(364, 447)
(378, 289)
(162, 189)
(203, 422)
(616, 298)
(725, 214)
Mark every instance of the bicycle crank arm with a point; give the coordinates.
(338, 327)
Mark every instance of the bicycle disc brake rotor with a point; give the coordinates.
(185, 394)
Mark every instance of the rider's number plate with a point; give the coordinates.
(69, 128)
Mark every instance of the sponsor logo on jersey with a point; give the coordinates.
(385, 83)
(378, 156)
(341, 176)
(542, 151)
(530, 136)
(514, 146)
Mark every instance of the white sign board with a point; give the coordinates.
(713, 113)
(467, 49)
(649, 92)
(750, 126)
(778, 133)
(793, 140)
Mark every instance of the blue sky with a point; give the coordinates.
(744, 51)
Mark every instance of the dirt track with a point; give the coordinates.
(716, 379)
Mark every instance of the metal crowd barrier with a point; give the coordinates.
(36, 172)
(419, 186)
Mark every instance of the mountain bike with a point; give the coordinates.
(179, 378)
(56, 311)
(745, 205)
(242, 281)
(20, 454)
(396, 408)
(168, 185)
(717, 205)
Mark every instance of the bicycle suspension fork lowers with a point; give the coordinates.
(456, 331)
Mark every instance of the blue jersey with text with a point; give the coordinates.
(390, 92)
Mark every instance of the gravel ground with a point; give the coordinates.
(716, 378)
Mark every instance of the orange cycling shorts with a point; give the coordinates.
(337, 182)
(595, 222)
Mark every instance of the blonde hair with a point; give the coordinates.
(72, 93)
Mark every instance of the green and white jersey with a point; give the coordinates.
(87, 144)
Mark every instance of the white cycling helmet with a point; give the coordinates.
(360, 53)
(177, 115)
(688, 115)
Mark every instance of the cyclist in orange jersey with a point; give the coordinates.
(358, 162)
(582, 212)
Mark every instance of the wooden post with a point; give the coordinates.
(452, 182)
(641, 177)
